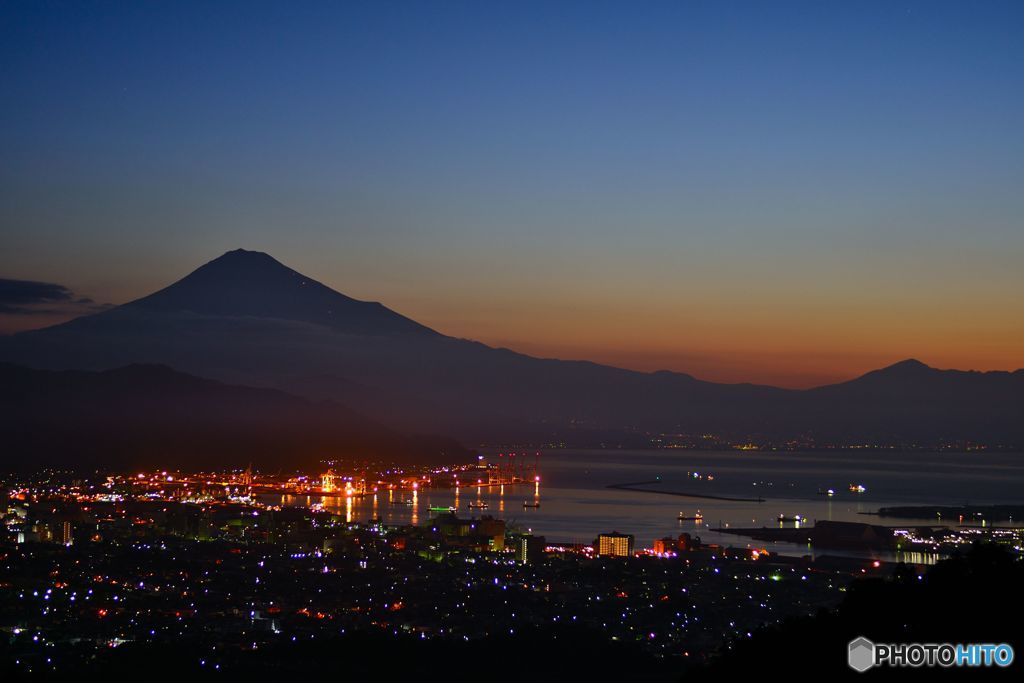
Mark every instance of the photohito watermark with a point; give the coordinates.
(862, 654)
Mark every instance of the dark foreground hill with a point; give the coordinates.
(152, 416)
(972, 597)
(247, 319)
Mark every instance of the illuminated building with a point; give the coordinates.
(494, 530)
(65, 529)
(484, 534)
(665, 545)
(614, 544)
(530, 548)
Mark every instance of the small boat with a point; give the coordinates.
(450, 508)
(784, 518)
(530, 505)
(402, 502)
(826, 492)
(696, 518)
(478, 506)
(857, 488)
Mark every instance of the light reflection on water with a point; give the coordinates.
(575, 504)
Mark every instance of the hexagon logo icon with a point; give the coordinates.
(861, 654)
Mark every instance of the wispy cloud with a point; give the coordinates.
(28, 297)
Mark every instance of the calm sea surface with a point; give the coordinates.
(576, 504)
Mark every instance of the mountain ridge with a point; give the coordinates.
(247, 319)
(146, 415)
(246, 283)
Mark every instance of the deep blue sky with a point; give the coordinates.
(788, 192)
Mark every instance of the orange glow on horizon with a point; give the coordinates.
(723, 318)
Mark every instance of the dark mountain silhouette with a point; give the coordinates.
(912, 401)
(253, 284)
(247, 319)
(150, 415)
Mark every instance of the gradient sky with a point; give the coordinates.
(776, 192)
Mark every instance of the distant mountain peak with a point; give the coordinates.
(910, 364)
(908, 369)
(243, 259)
(253, 284)
(241, 254)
